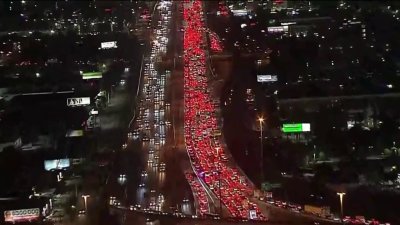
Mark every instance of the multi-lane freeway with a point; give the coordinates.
(152, 137)
(187, 168)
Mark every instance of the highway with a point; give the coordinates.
(209, 153)
(206, 151)
(177, 117)
(172, 143)
(162, 175)
(148, 170)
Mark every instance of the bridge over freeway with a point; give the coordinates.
(129, 216)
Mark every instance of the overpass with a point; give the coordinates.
(169, 218)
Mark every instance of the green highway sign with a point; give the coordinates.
(296, 127)
(92, 75)
(266, 186)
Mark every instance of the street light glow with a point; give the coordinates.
(85, 201)
(341, 194)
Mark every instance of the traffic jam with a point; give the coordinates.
(151, 125)
(202, 203)
(200, 123)
(215, 42)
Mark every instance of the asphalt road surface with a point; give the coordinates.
(147, 184)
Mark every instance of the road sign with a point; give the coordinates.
(266, 186)
(78, 101)
(296, 127)
(109, 44)
(267, 78)
(91, 75)
(252, 214)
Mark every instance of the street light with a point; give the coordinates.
(219, 182)
(261, 121)
(341, 194)
(85, 201)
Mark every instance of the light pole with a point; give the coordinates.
(341, 194)
(261, 121)
(219, 182)
(85, 201)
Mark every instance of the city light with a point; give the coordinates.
(341, 194)
(258, 95)
(85, 197)
(200, 114)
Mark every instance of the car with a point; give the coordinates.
(81, 212)
(117, 203)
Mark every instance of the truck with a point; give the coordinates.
(322, 211)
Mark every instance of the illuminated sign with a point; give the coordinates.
(74, 133)
(278, 29)
(239, 12)
(21, 215)
(350, 124)
(92, 75)
(266, 186)
(109, 44)
(94, 112)
(56, 164)
(296, 127)
(252, 214)
(267, 78)
(288, 23)
(78, 101)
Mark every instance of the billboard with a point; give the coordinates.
(278, 29)
(74, 133)
(21, 215)
(267, 78)
(56, 164)
(78, 101)
(296, 127)
(239, 12)
(92, 75)
(108, 45)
